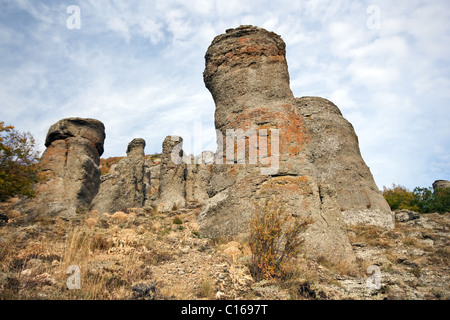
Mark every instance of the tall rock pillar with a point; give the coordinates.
(172, 179)
(70, 165)
(124, 186)
(247, 74)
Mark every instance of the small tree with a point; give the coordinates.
(18, 162)
(274, 239)
(398, 197)
(423, 200)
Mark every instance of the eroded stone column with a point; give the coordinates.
(247, 74)
(124, 186)
(172, 181)
(70, 165)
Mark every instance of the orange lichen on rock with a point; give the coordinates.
(287, 184)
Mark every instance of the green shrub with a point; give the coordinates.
(398, 197)
(177, 220)
(423, 200)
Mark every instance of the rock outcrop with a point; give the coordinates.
(153, 172)
(337, 158)
(441, 184)
(172, 179)
(247, 74)
(70, 165)
(199, 171)
(300, 152)
(125, 184)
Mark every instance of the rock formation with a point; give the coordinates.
(197, 178)
(300, 152)
(172, 179)
(125, 184)
(70, 166)
(247, 74)
(153, 172)
(338, 160)
(438, 184)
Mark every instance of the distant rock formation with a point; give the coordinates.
(247, 75)
(70, 165)
(153, 173)
(172, 179)
(438, 184)
(338, 160)
(125, 184)
(199, 171)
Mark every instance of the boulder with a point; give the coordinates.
(337, 158)
(406, 215)
(125, 185)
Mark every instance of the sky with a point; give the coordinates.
(137, 67)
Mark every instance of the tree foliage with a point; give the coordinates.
(398, 197)
(18, 162)
(423, 200)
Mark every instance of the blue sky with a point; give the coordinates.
(137, 66)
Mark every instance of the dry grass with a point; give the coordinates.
(343, 267)
(206, 288)
(105, 249)
(144, 246)
(275, 238)
(371, 235)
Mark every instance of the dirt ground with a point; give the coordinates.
(145, 254)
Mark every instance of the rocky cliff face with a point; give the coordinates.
(125, 184)
(70, 166)
(247, 75)
(338, 160)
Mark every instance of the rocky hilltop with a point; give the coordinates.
(300, 152)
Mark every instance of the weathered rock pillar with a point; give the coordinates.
(247, 74)
(197, 179)
(172, 180)
(70, 166)
(441, 184)
(124, 186)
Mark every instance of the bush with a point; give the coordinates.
(398, 197)
(177, 220)
(274, 239)
(442, 200)
(423, 200)
(18, 163)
